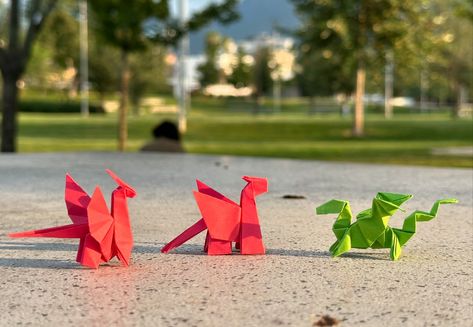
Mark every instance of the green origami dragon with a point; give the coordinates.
(371, 230)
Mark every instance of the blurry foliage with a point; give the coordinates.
(324, 73)
(61, 35)
(104, 63)
(431, 37)
(56, 49)
(241, 74)
(55, 107)
(261, 74)
(149, 75)
(132, 27)
(209, 72)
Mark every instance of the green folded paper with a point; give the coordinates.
(371, 230)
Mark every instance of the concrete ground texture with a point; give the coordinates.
(295, 284)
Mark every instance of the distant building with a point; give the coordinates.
(272, 41)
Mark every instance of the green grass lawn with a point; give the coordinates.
(222, 127)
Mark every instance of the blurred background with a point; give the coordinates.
(386, 81)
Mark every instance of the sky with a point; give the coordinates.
(194, 5)
(257, 17)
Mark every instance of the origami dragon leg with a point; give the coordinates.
(396, 248)
(342, 245)
(81, 249)
(341, 227)
(219, 247)
(401, 236)
(216, 247)
(91, 253)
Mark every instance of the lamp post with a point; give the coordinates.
(183, 51)
(84, 59)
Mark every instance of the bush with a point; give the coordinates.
(57, 107)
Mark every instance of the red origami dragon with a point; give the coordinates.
(226, 221)
(103, 235)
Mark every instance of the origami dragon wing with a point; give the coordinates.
(77, 201)
(221, 215)
(98, 244)
(205, 189)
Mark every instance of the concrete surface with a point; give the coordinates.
(295, 284)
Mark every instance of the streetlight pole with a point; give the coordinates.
(84, 59)
(183, 51)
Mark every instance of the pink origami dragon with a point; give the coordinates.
(103, 235)
(226, 221)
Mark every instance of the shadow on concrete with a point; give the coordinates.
(187, 249)
(39, 263)
(38, 246)
(49, 246)
(367, 256)
(297, 253)
(193, 249)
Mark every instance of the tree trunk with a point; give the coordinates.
(9, 107)
(424, 85)
(461, 99)
(359, 119)
(13, 60)
(123, 109)
(388, 85)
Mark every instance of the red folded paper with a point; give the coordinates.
(103, 235)
(226, 221)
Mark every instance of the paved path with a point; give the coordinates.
(296, 283)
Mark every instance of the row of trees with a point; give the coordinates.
(343, 41)
(54, 62)
(263, 69)
(237, 69)
(339, 43)
(128, 27)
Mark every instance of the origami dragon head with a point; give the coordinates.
(260, 185)
(129, 191)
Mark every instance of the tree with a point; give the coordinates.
(362, 30)
(323, 72)
(241, 74)
(62, 36)
(103, 62)
(130, 26)
(436, 55)
(460, 55)
(209, 72)
(149, 74)
(261, 75)
(14, 56)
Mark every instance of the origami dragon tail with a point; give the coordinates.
(66, 231)
(410, 223)
(186, 235)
